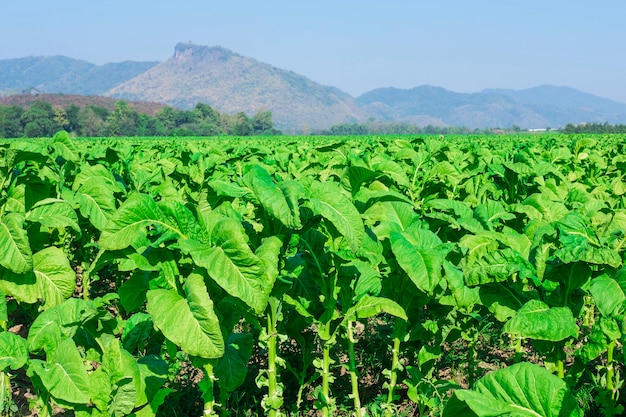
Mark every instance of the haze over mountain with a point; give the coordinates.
(232, 83)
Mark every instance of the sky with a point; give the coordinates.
(356, 46)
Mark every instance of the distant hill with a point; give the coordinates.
(64, 100)
(60, 74)
(233, 83)
(545, 106)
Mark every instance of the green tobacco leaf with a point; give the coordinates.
(280, 202)
(269, 253)
(390, 216)
(13, 351)
(491, 212)
(536, 320)
(369, 306)
(57, 323)
(21, 286)
(15, 253)
(96, 201)
(128, 225)
(152, 375)
(189, 322)
(66, 379)
(232, 369)
(500, 301)
(56, 280)
(54, 213)
(523, 389)
(495, 266)
(418, 254)
(608, 295)
(231, 263)
(327, 200)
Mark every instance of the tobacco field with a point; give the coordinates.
(301, 276)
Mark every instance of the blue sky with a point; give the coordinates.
(357, 46)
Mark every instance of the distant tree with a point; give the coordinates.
(239, 125)
(262, 123)
(123, 121)
(10, 125)
(38, 120)
(72, 111)
(92, 121)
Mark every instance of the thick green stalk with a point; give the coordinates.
(610, 371)
(560, 363)
(271, 364)
(395, 365)
(354, 378)
(5, 385)
(519, 349)
(471, 364)
(326, 380)
(209, 396)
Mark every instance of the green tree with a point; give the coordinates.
(39, 120)
(10, 126)
(92, 121)
(123, 121)
(262, 123)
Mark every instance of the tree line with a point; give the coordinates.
(594, 128)
(41, 119)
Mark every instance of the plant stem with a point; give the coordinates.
(326, 380)
(519, 349)
(209, 396)
(610, 371)
(395, 365)
(560, 367)
(471, 362)
(271, 364)
(353, 372)
(4, 390)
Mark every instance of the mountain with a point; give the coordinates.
(233, 83)
(532, 108)
(60, 74)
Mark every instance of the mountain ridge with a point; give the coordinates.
(233, 83)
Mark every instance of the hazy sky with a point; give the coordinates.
(463, 46)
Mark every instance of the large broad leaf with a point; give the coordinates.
(189, 322)
(52, 279)
(56, 280)
(523, 389)
(608, 295)
(15, 253)
(232, 369)
(536, 320)
(369, 306)
(418, 254)
(96, 201)
(280, 202)
(53, 325)
(54, 213)
(390, 216)
(152, 375)
(495, 266)
(500, 301)
(66, 379)
(129, 224)
(327, 200)
(13, 351)
(231, 263)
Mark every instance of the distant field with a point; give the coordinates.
(376, 275)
